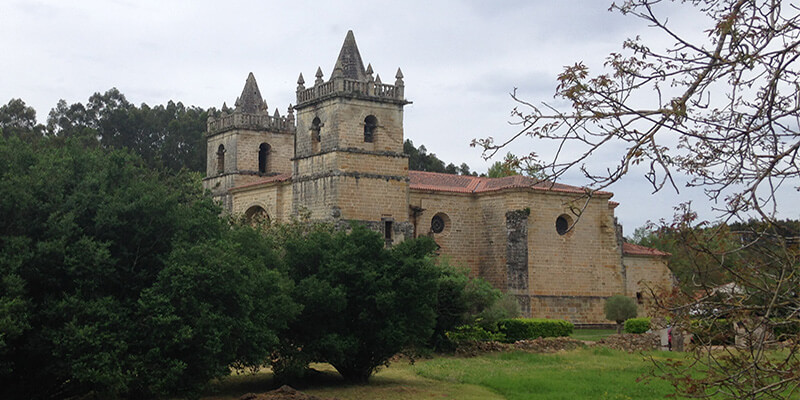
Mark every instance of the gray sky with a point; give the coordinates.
(460, 60)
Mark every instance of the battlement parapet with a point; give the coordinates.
(258, 122)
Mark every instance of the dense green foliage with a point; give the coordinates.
(17, 119)
(363, 303)
(167, 136)
(462, 300)
(473, 333)
(420, 160)
(532, 328)
(637, 325)
(122, 282)
(618, 308)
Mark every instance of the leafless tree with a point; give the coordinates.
(720, 107)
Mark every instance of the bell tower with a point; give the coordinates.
(349, 163)
(246, 144)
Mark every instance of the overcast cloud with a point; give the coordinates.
(460, 60)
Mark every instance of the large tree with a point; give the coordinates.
(721, 107)
(18, 119)
(362, 302)
(165, 136)
(118, 281)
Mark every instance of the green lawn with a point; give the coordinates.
(595, 373)
(591, 334)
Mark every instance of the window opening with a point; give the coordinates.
(387, 230)
(316, 127)
(562, 224)
(263, 157)
(437, 224)
(256, 215)
(220, 159)
(370, 124)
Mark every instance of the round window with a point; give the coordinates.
(437, 224)
(562, 224)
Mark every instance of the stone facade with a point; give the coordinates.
(342, 160)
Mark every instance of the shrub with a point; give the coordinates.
(618, 308)
(459, 298)
(531, 328)
(473, 333)
(506, 307)
(637, 325)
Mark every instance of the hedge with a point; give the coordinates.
(637, 325)
(473, 333)
(532, 328)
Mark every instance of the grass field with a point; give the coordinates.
(591, 334)
(595, 373)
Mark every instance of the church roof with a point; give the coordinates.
(250, 101)
(475, 184)
(350, 59)
(630, 249)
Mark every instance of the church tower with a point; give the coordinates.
(349, 163)
(246, 144)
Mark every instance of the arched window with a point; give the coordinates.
(316, 127)
(220, 159)
(263, 157)
(256, 215)
(370, 124)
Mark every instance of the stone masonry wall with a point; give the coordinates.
(271, 197)
(457, 240)
(568, 276)
(373, 199)
(343, 126)
(572, 274)
(644, 271)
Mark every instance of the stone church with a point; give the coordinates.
(340, 158)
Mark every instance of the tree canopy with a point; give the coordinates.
(121, 281)
(421, 160)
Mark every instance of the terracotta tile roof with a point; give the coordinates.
(636, 250)
(265, 180)
(474, 184)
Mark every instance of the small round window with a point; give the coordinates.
(562, 224)
(437, 224)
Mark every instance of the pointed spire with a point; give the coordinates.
(338, 71)
(290, 114)
(250, 101)
(350, 59)
(225, 108)
(399, 78)
(378, 79)
(277, 114)
(319, 76)
(300, 79)
(369, 69)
